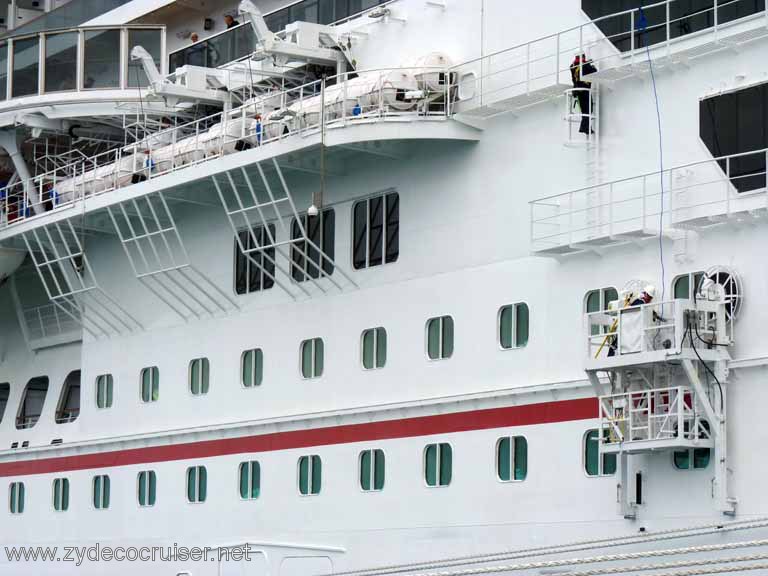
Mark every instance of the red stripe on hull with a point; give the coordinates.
(529, 414)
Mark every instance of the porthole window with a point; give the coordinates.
(197, 484)
(594, 464)
(440, 338)
(251, 368)
(147, 488)
(310, 475)
(438, 464)
(312, 358)
(512, 458)
(199, 376)
(372, 469)
(374, 348)
(104, 391)
(250, 480)
(61, 494)
(150, 384)
(513, 326)
(101, 492)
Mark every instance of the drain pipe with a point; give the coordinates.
(10, 144)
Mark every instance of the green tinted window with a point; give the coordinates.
(372, 470)
(16, 497)
(310, 475)
(252, 367)
(101, 492)
(250, 480)
(513, 326)
(199, 376)
(440, 338)
(147, 488)
(312, 352)
(438, 464)
(104, 391)
(150, 384)
(197, 484)
(374, 348)
(593, 464)
(61, 494)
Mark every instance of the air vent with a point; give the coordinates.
(56, 441)
(25, 444)
(14, 444)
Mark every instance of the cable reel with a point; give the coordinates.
(720, 283)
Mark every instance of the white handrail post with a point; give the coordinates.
(716, 19)
(528, 68)
(570, 218)
(632, 38)
(668, 26)
(728, 189)
(344, 95)
(645, 197)
(610, 209)
(557, 59)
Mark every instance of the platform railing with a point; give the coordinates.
(48, 321)
(688, 195)
(652, 414)
(514, 76)
(353, 98)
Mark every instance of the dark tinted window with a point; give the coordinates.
(685, 16)
(255, 271)
(32, 402)
(734, 123)
(5, 391)
(318, 11)
(68, 408)
(307, 261)
(376, 231)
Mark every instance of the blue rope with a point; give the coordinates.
(643, 27)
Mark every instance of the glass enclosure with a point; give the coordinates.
(61, 62)
(102, 59)
(26, 55)
(97, 58)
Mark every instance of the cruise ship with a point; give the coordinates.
(372, 287)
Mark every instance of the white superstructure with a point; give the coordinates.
(384, 287)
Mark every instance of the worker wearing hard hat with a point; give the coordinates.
(646, 296)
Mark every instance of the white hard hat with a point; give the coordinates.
(650, 289)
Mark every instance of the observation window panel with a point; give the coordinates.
(737, 123)
(3, 71)
(68, 408)
(685, 17)
(26, 65)
(102, 59)
(255, 271)
(151, 41)
(307, 261)
(32, 402)
(376, 231)
(60, 62)
(5, 392)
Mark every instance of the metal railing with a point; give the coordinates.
(702, 191)
(216, 50)
(353, 98)
(659, 326)
(609, 42)
(76, 59)
(654, 414)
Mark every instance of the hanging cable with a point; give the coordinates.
(642, 25)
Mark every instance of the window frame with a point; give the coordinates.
(313, 342)
(37, 380)
(197, 491)
(62, 482)
(109, 383)
(250, 467)
(5, 387)
(310, 476)
(17, 504)
(150, 476)
(438, 459)
(204, 374)
(600, 457)
(375, 332)
(440, 355)
(692, 283)
(257, 353)
(384, 195)
(264, 267)
(66, 388)
(325, 260)
(103, 491)
(372, 452)
(515, 335)
(154, 379)
(513, 449)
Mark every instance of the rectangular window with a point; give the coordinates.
(102, 59)
(197, 484)
(101, 492)
(147, 488)
(16, 497)
(372, 467)
(32, 402)
(5, 392)
(512, 458)
(374, 348)
(61, 494)
(250, 480)
(692, 459)
(26, 58)
(376, 231)
(513, 326)
(594, 465)
(68, 408)
(3, 71)
(255, 268)
(104, 391)
(150, 40)
(440, 338)
(312, 358)
(199, 376)
(438, 464)
(306, 259)
(252, 367)
(150, 384)
(597, 301)
(310, 475)
(61, 62)
(685, 285)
